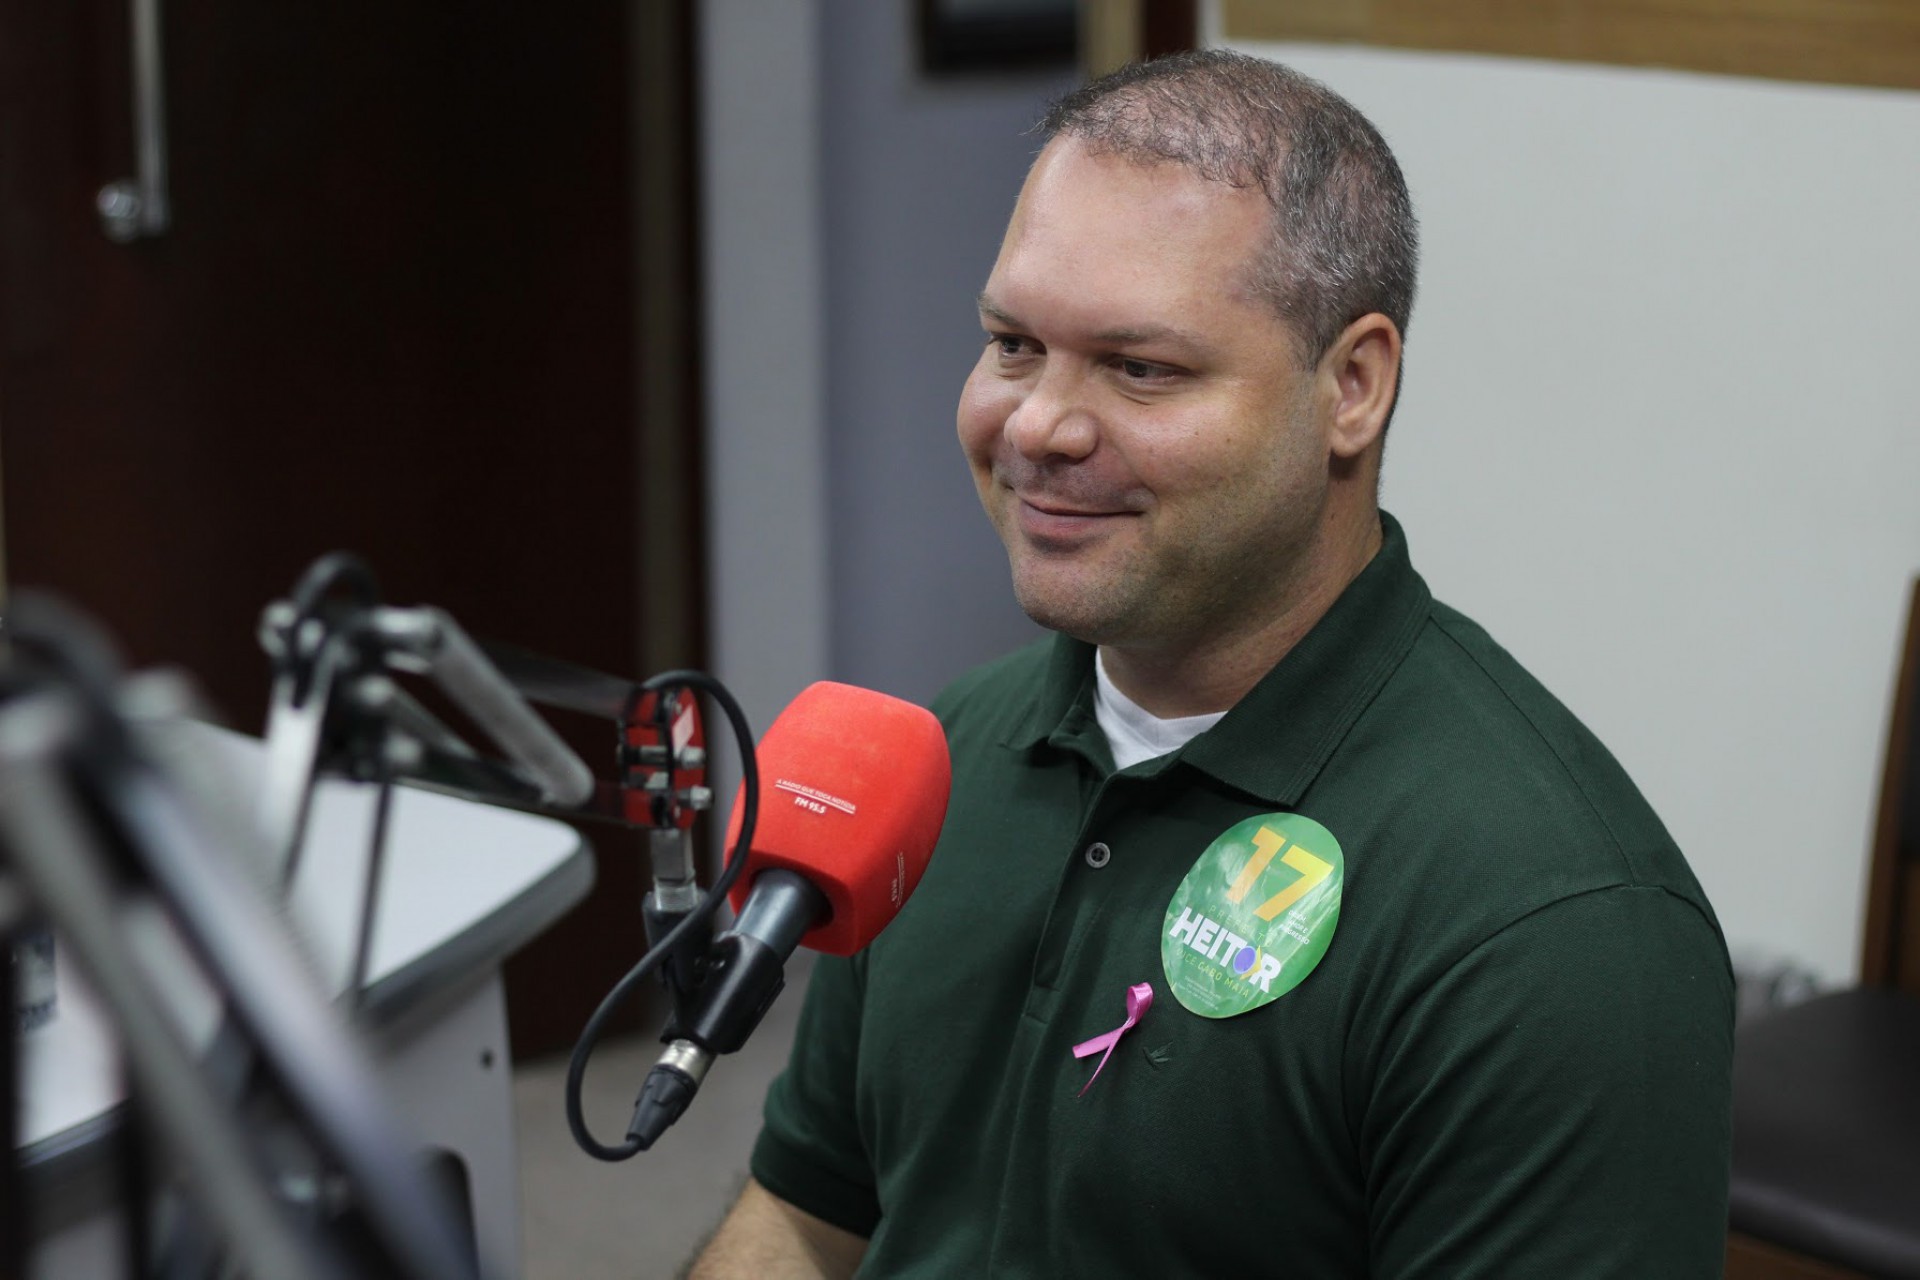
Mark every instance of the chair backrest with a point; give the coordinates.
(1890, 956)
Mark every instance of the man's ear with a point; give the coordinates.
(1359, 375)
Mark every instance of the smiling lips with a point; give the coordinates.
(1045, 521)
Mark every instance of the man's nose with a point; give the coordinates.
(1055, 419)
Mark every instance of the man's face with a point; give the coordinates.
(1138, 426)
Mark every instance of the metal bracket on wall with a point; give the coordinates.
(137, 207)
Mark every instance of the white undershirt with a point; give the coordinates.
(1134, 733)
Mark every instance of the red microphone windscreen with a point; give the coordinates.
(853, 789)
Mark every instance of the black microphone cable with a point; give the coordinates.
(735, 864)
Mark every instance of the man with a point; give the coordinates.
(1281, 924)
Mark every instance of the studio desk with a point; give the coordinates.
(464, 886)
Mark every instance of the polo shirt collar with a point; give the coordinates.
(1276, 739)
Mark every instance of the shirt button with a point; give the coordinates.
(1098, 855)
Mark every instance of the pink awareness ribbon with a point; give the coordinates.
(1139, 1000)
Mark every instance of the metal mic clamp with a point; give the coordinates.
(663, 761)
(684, 968)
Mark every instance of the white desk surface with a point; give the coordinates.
(464, 885)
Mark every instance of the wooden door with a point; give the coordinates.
(396, 313)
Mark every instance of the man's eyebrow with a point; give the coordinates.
(994, 313)
(1111, 337)
(1150, 333)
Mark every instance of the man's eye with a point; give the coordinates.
(1010, 346)
(1143, 370)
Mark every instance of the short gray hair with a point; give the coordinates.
(1345, 241)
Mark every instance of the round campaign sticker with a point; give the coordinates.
(1254, 916)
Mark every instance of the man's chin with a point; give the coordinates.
(1085, 616)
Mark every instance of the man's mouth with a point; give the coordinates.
(1049, 521)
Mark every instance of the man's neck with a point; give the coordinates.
(1213, 672)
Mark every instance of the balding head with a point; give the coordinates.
(1344, 241)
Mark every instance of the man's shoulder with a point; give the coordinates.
(1462, 641)
(1478, 799)
(1517, 719)
(1498, 750)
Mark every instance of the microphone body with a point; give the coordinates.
(854, 792)
(746, 969)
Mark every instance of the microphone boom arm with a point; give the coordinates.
(428, 641)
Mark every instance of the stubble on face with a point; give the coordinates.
(1210, 568)
(1054, 578)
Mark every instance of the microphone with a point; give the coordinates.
(855, 788)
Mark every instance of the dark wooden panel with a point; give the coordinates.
(1890, 947)
(1750, 1259)
(397, 314)
(1869, 42)
(1168, 26)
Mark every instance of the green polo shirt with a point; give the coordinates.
(1513, 1059)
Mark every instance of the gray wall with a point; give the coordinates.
(766, 352)
(852, 210)
(918, 177)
